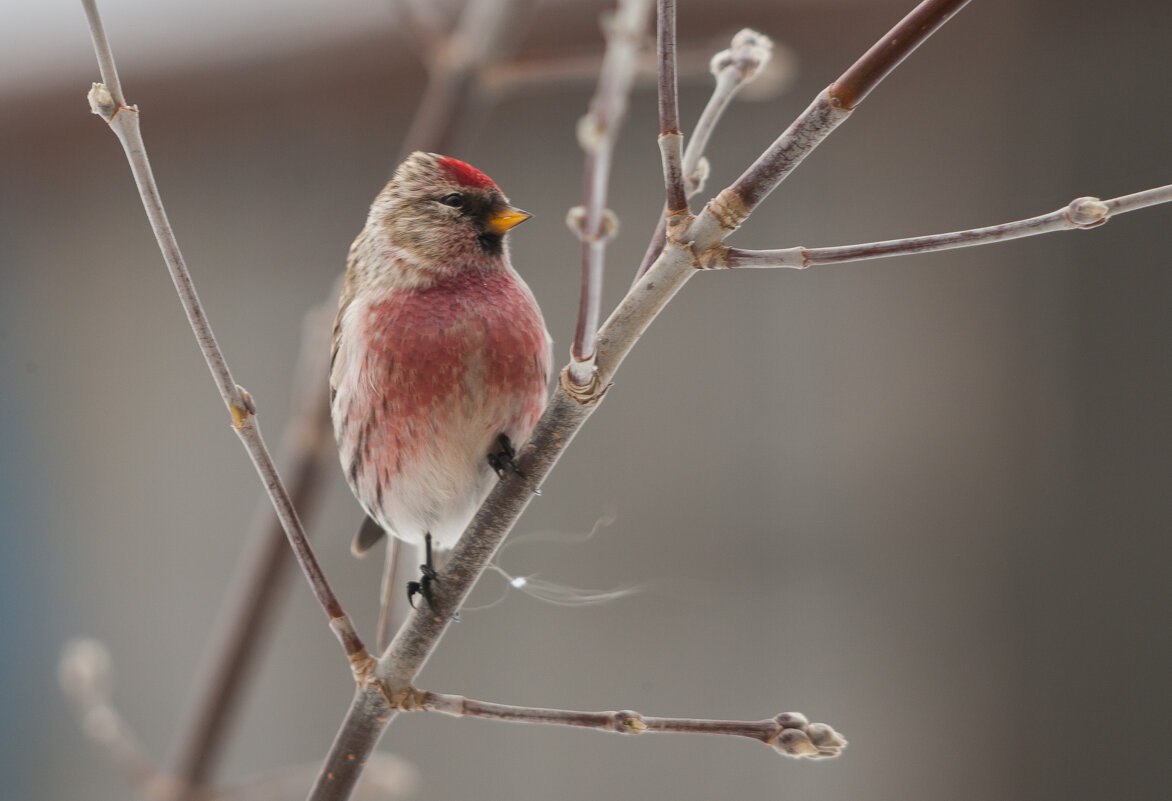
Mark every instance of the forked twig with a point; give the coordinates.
(733, 68)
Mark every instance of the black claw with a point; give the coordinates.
(502, 460)
(427, 577)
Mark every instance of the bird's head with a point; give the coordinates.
(442, 212)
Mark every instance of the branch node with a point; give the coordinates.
(714, 258)
(588, 393)
(85, 670)
(699, 176)
(241, 412)
(1087, 212)
(729, 210)
(409, 699)
(103, 104)
(591, 132)
(629, 722)
(576, 222)
(362, 665)
(797, 737)
(749, 52)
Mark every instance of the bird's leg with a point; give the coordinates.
(502, 458)
(427, 577)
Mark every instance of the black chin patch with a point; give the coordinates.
(492, 244)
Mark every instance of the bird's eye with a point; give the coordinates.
(454, 200)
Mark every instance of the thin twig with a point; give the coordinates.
(529, 72)
(670, 140)
(832, 107)
(386, 776)
(248, 611)
(1083, 212)
(451, 71)
(124, 121)
(733, 68)
(85, 673)
(790, 733)
(885, 55)
(593, 222)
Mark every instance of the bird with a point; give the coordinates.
(441, 359)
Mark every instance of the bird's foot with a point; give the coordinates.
(503, 458)
(428, 576)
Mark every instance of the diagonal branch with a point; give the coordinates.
(1083, 212)
(250, 607)
(832, 107)
(124, 121)
(856, 83)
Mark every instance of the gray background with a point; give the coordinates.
(925, 500)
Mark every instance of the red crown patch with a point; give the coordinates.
(465, 174)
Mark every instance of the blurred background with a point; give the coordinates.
(924, 499)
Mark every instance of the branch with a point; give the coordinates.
(1083, 212)
(386, 776)
(379, 698)
(85, 673)
(832, 107)
(733, 69)
(789, 733)
(670, 140)
(248, 611)
(123, 120)
(593, 222)
(452, 67)
(529, 72)
(885, 55)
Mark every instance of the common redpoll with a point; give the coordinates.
(440, 358)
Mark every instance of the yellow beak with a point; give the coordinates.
(503, 220)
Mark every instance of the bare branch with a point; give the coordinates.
(452, 67)
(386, 776)
(249, 609)
(1083, 212)
(106, 65)
(85, 673)
(693, 60)
(832, 106)
(789, 733)
(593, 222)
(670, 140)
(885, 55)
(733, 68)
(123, 120)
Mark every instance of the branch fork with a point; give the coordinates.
(385, 686)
